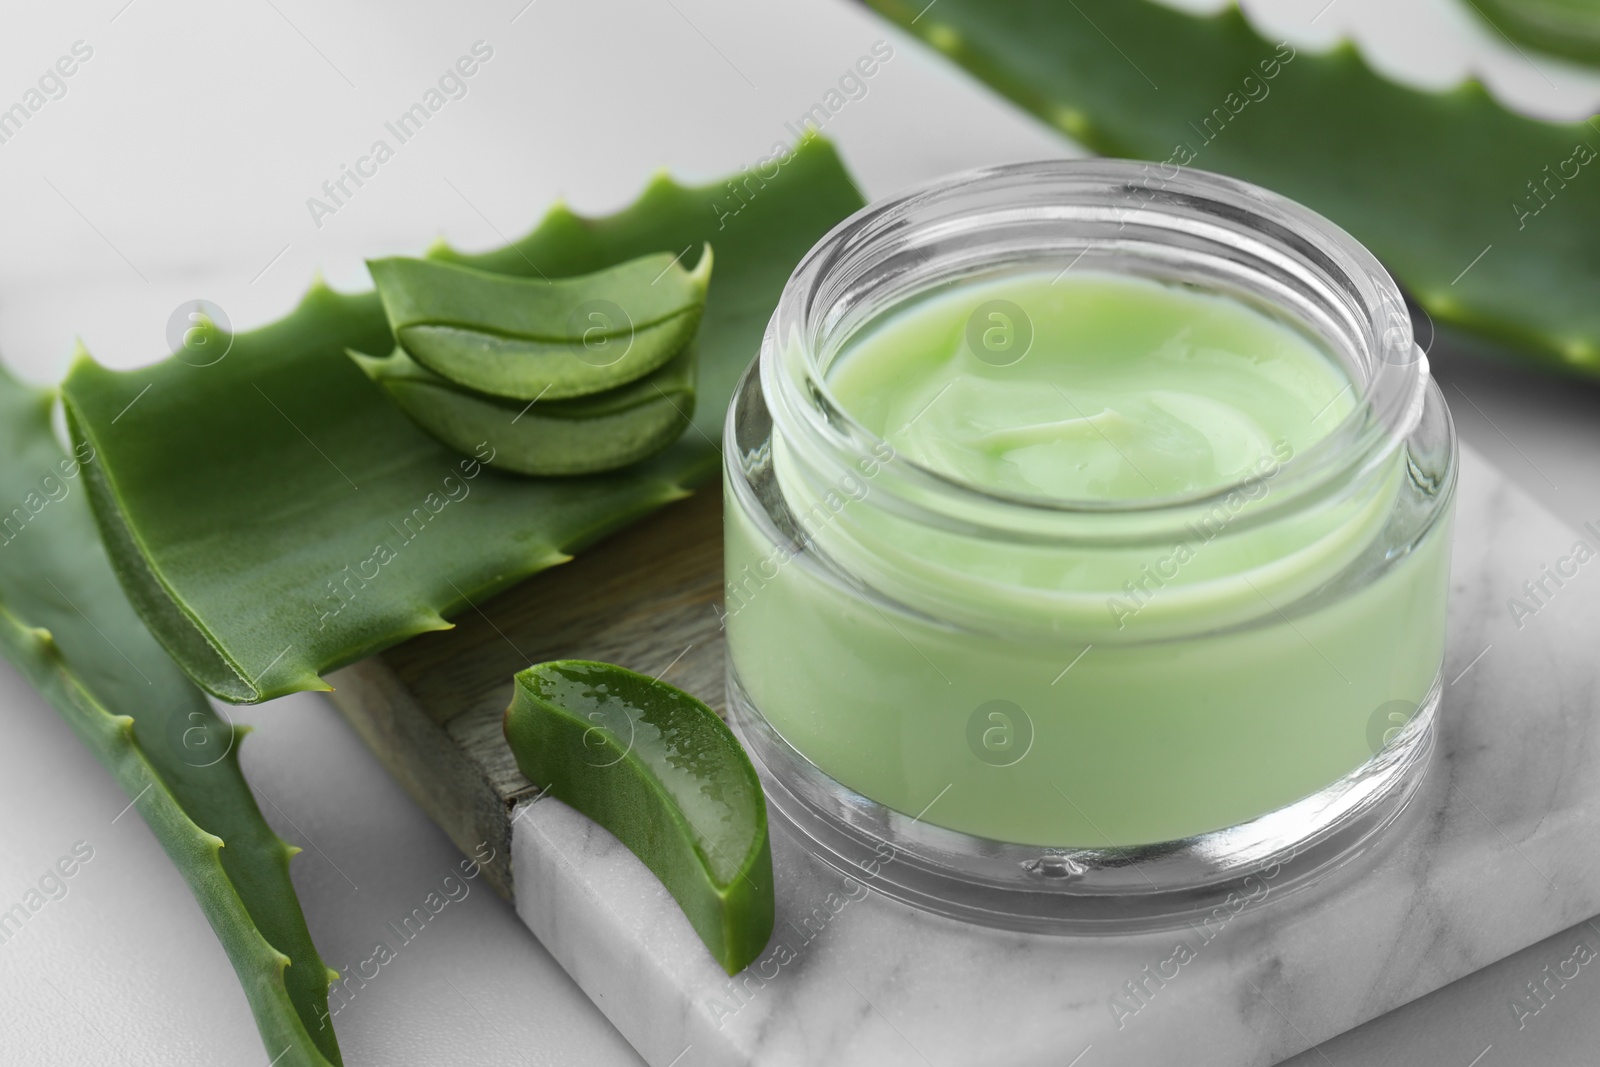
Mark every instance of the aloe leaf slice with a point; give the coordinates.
(583, 435)
(66, 625)
(1567, 28)
(274, 516)
(527, 338)
(658, 769)
(1486, 217)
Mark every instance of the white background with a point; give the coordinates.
(177, 166)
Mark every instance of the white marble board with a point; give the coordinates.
(1499, 850)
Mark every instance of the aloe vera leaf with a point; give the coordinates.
(274, 516)
(583, 435)
(1568, 28)
(658, 769)
(529, 338)
(1437, 184)
(65, 623)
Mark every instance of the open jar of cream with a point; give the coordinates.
(1087, 539)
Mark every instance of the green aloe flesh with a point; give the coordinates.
(658, 769)
(533, 338)
(274, 515)
(583, 435)
(1567, 28)
(1488, 218)
(66, 625)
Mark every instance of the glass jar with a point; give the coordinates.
(1080, 715)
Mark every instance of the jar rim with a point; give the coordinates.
(1186, 222)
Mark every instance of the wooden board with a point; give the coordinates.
(647, 598)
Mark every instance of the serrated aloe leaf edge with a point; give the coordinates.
(66, 625)
(273, 516)
(1486, 217)
(1566, 28)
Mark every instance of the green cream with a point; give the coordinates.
(1086, 690)
(1128, 389)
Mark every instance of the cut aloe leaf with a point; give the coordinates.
(273, 515)
(527, 338)
(658, 769)
(1488, 218)
(1567, 28)
(583, 435)
(67, 626)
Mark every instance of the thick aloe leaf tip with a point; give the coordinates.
(70, 630)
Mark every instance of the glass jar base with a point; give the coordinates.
(1086, 890)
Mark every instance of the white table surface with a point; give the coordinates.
(177, 166)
